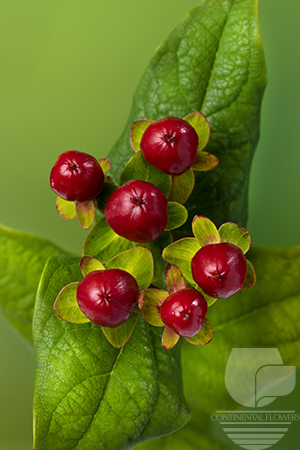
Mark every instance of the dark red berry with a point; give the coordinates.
(76, 176)
(137, 211)
(170, 145)
(184, 312)
(107, 297)
(220, 270)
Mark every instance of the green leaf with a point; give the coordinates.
(108, 189)
(177, 215)
(150, 301)
(174, 280)
(138, 262)
(169, 338)
(201, 125)
(235, 234)
(205, 231)
(85, 212)
(120, 335)
(65, 209)
(89, 394)
(182, 187)
(204, 336)
(212, 62)
(180, 253)
(88, 264)
(66, 306)
(251, 276)
(137, 168)
(22, 261)
(265, 316)
(105, 164)
(204, 162)
(136, 132)
(103, 243)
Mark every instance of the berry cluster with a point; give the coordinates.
(137, 217)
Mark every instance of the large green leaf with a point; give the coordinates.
(21, 263)
(267, 316)
(90, 395)
(213, 62)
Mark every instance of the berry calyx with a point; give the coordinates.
(76, 176)
(184, 312)
(137, 211)
(107, 297)
(170, 145)
(220, 270)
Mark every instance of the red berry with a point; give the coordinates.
(170, 145)
(137, 211)
(184, 312)
(107, 297)
(76, 176)
(220, 270)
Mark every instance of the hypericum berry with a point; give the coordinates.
(170, 145)
(107, 297)
(76, 176)
(137, 211)
(220, 270)
(184, 312)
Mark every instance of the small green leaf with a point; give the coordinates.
(137, 168)
(103, 243)
(210, 300)
(65, 209)
(205, 231)
(105, 164)
(235, 234)
(138, 262)
(182, 187)
(120, 335)
(251, 276)
(85, 212)
(150, 301)
(66, 306)
(177, 215)
(108, 188)
(204, 336)
(136, 132)
(169, 338)
(174, 280)
(204, 162)
(88, 264)
(201, 125)
(180, 253)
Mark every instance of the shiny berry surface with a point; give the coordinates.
(137, 211)
(170, 145)
(184, 312)
(107, 297)
(220, 270)
(76, 176)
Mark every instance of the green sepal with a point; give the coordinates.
(174, 280)
(89, 264)
(177, 215)
(66, 306)
(209, 300)
(202, 128)
(103, 243)
(137, 168)
(250, 277)
(156, 247)
(204, 336)
(120, 335)
(150, 301)
(105, 165)
(108, 189)
(169, 338)
(180, 253)
(182, 187)
(137, 261)
(65, 209)
(235, 234)
(205, 231)
(136, 132)
(85, 212)
(204, 162)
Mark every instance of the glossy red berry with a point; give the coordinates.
(184, 312)
(170, 145)
(220, 270)
(137, 211)
(107, 297)
(76, 176)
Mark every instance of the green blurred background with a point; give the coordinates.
(68, 72)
